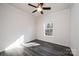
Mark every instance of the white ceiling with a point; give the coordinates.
(54, 7)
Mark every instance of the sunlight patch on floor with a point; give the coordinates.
(17, 43)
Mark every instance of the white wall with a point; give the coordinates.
(75, 29)
(61, 22)
(13, 24)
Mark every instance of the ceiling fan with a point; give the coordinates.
(39, 8)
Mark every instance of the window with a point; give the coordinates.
(49, 29)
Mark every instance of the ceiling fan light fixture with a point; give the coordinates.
(39, 9)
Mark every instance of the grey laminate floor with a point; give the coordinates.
(44, 49)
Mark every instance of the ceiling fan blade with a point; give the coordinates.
(41, 4)
(34, 11)
(41, 12)
(32, 5)
(46, 8)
